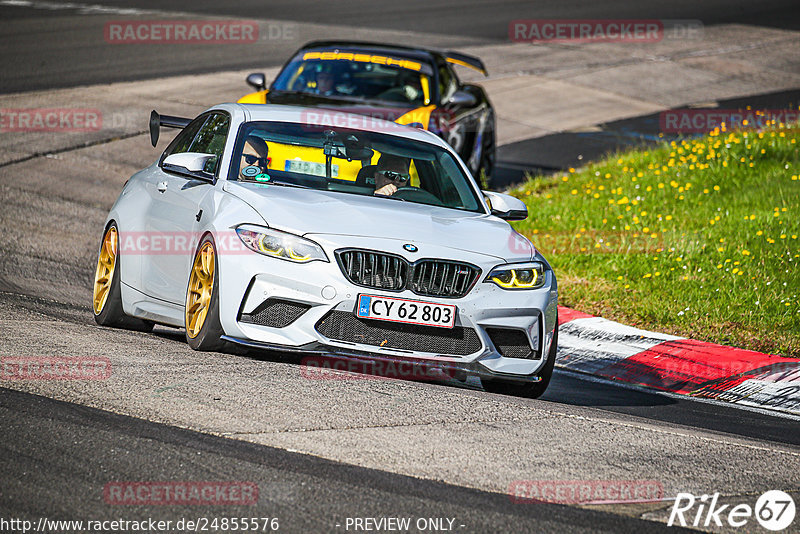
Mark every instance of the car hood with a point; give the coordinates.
(309, 211)
(389, 111)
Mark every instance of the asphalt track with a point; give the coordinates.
(60, 44)
(369, 449)
(306, 493)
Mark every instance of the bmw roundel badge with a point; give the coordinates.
(409, 247)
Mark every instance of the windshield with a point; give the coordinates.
(361, 76)
(351, 161)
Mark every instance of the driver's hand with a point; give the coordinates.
(387, 190)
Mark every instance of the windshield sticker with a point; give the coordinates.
(263, 177)
(364, 58)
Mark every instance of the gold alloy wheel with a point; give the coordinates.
(201, 287)
(104, 275)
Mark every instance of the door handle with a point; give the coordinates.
(162, 186)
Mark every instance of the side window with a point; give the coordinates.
(184, 139)
(205, 135)
(447, 83)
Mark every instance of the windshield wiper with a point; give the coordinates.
(390, 197)
(285, 184)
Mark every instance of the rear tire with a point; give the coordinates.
(201, 317)
(106, 294)
(531, 390)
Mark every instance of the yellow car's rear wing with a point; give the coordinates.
(472, 62)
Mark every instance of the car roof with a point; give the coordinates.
(318, 116)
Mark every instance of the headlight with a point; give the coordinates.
(518, 276)
(281, 245)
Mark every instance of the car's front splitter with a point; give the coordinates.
(448, 368)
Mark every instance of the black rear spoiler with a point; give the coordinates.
(157, 121)
(457, 58)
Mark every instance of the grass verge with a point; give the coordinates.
(697, 237)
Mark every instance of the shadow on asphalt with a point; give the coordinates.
(571, 389)
(558, 152)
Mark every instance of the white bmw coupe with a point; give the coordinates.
(290, 229)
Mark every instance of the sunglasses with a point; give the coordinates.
(395, 176)
(250, 159)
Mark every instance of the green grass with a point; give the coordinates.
(698, 238)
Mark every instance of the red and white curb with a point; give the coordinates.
(617, 352)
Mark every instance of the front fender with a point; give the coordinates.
(254, 98)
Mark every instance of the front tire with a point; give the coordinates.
(106, 294)
(531, 390)
(201, 317)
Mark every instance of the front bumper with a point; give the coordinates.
(319, 289)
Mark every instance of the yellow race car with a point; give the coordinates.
(410, 86)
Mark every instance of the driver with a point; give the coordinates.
(254, 154)
(392, 173)
(326, 82)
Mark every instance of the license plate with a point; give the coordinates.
(310, 167)
(406, 311)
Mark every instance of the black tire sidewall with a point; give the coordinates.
(488, 156)
(113, 313)
(531, 390)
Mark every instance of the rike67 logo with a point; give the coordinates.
(774, 510)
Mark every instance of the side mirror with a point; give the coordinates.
(257, 81)
(506, 207)
(462, 99)
(191, 164)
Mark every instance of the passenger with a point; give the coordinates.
(254, 154)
